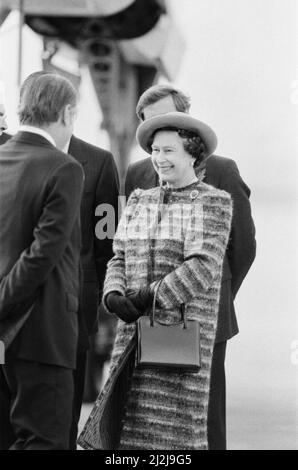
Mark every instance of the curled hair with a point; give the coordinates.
(44, 97)
(192, 143)
(157, 92)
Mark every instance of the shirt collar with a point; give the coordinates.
(37, 130)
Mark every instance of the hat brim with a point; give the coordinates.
(177, 120)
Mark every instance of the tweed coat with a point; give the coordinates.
(178, 236)
(222, 173)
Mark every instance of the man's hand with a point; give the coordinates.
(122, 307)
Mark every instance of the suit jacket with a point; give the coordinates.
(101, 186)
(40, 241)
(221, 173)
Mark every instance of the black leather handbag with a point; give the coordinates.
(163, 346)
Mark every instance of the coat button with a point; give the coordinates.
(194, 194)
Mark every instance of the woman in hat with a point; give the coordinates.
(170, 242)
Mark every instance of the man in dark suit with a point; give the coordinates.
(223, 174)
(40, 240)
(101, 186)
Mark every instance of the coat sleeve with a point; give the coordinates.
(116, 276)
(106, 196)
(204, 250)
(241, 250)
(50, 237)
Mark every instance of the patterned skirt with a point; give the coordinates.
(167, 410)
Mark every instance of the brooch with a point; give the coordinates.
(194, 194)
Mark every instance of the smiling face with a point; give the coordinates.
(173, 164)
(3, 125)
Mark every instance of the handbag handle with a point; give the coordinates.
(152, 312)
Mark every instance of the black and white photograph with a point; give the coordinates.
(149, 227)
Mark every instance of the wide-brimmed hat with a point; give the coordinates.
(176, 120)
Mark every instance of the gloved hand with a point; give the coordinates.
(122, 307)
(142, 299)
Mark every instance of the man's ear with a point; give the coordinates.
(66, 115)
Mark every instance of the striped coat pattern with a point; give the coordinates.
(178, 236)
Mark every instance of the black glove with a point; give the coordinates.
(142, 299)
(122, 307)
